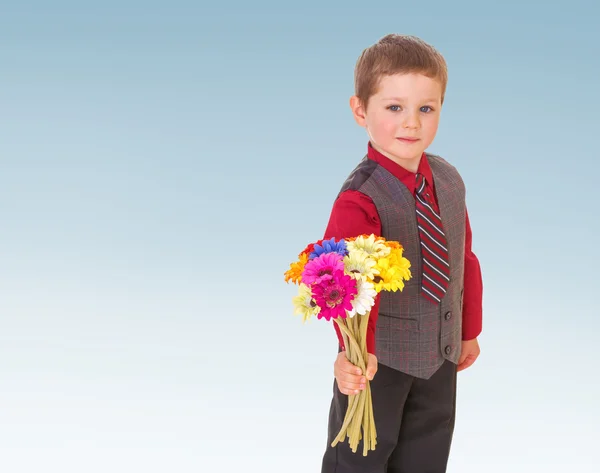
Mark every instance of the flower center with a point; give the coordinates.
(324, 271)
(334, 296)
(377, 279)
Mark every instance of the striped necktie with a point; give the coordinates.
(434, 248)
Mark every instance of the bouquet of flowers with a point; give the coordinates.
(339, 281)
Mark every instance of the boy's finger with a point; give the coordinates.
(344, 366)
(465, 364)
(348, 367)
(350, 388)
(350, 378)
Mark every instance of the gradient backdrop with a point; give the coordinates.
(162, 163)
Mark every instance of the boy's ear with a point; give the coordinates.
(358, 110)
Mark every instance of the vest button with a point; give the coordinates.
(448, 315)
(448, 350)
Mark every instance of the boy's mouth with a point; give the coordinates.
(408, 139)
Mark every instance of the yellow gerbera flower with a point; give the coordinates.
(360, 265)
(401, 264)
(304, 303)
(372, 246)
(294, 274)
(393, 271)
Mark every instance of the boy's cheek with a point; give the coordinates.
(386, 128)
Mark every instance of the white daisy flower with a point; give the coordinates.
(364, 300)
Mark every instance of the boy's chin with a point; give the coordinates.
(408, 155)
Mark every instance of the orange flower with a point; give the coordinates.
(294, 274)
(394, 244)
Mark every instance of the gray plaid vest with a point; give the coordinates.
(413, 335)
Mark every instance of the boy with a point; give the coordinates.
(419, 338)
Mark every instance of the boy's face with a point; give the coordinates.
(402, 117)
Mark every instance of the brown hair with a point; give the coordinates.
(397, 54)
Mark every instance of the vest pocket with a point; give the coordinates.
(399, 322)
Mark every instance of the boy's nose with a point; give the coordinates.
(411, 121)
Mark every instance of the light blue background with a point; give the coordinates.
(163, 163)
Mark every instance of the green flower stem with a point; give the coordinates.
(373, 430)
(352, 404)
(368, 421)
(354, 401)
(359, 421)
(364, 323)
(355, 426)
(347, 346)
(353, 343)
(367, 426)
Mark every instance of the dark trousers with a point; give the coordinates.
(414, 419)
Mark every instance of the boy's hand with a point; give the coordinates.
(350, 379)
(470, 352)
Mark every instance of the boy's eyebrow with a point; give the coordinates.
(404, 98)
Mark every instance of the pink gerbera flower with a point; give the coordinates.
(335, 295)
(322, 268)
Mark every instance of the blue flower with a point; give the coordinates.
(329, 246)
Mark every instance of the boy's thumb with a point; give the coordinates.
(371, 369)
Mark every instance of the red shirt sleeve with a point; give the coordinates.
(355, 214)
(473, 290)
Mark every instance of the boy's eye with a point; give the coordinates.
(397, 108)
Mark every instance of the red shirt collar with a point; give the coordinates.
(405, 176)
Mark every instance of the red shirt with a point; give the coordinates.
(355, 214)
